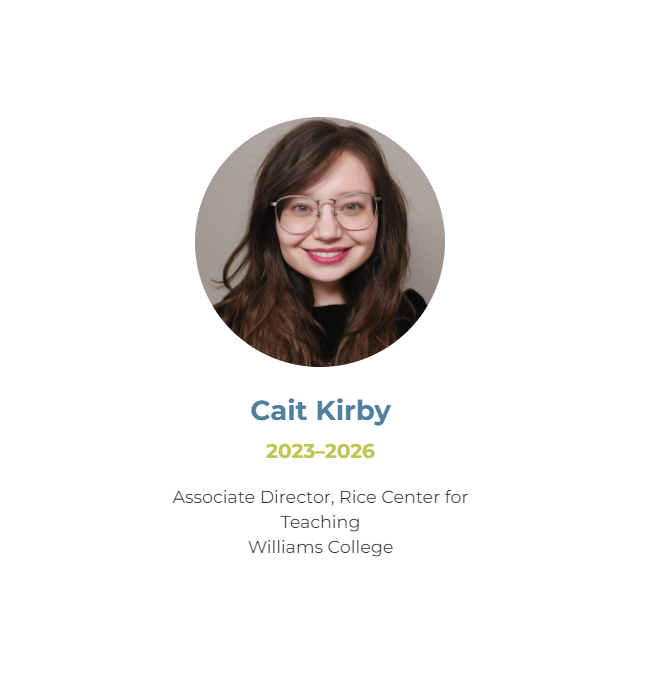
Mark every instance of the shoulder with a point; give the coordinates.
(411, 307)
(411, 298)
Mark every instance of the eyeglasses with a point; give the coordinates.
(298, 214)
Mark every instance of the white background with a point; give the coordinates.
(525, 384)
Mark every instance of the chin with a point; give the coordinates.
(327, 277)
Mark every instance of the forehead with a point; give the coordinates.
(347, 175)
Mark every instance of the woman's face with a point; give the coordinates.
(301, 252)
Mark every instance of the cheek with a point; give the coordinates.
(368, 242)
(289, 246)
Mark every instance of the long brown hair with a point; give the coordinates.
(270, 307)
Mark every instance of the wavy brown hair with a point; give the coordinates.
(270, 306)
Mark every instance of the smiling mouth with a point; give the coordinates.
(328, 255)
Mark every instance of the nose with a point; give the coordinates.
(327, 227)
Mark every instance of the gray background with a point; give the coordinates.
(223, 214)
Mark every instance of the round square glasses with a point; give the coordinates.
(298, 214)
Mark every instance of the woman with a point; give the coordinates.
(325, 255)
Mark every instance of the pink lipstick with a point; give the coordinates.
(327, 256)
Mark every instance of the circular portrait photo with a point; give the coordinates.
(320, 242)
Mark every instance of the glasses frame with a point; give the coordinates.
(333, 201)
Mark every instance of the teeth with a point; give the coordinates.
(325, 255)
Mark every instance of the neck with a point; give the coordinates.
(327, 293)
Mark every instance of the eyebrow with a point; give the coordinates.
(347, 192)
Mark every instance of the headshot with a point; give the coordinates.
(319, 275)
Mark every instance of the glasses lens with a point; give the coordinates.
(297, 214)
(356, 211)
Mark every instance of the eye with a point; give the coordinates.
(352, 207)
(301, 209)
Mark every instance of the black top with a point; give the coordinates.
(334, 319)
